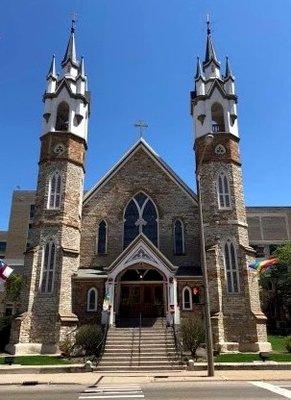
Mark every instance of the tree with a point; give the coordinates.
(276, 288)
(13, 287)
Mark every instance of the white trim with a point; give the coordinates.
(97, 237)
(48, 243)
(92, 289)
(228, 243)
(141, 143)
(57, 193)
(190, 298)
(183, 236)
(225, 191)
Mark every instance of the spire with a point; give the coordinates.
(199, 72)
(52, 71)
(228, 71)
(210, 54)
(82, 68)
(70, 54)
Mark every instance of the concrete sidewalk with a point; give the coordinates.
(92, 378)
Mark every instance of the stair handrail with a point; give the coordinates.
(178, 343)
(101, 344)
(139, 336)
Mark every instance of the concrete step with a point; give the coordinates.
(140, 368)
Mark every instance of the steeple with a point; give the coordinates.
(199, 72)
(70, 54)
(211, 65)
(228, 71)
(199, 79)
(52, 77)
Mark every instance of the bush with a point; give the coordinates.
(193, 333)
(66, 347)
(288, 343)
(5, 326)
(88, 337)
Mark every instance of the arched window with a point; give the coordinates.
(48, 267)
(187, 298)
(102, 238)
(179, 240)
(140, 216)
(223, 191)
(62, 120)
(231, 268)
(92, 299)
(54, 197)
(217, 118)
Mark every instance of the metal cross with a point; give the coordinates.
(74, 20)
(141, 125)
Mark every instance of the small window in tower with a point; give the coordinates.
(231, 267)
(179, 242)
(223, 192)
(54, 198)
(62, 121)
(102, 238)
(217, 118)
(48, 267)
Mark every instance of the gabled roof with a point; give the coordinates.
(141, 144)
(141, 250)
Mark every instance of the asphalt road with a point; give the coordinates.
(154, 391)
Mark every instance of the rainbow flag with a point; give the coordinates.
(264, 265)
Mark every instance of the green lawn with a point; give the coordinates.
(36, 360)
(279, 352)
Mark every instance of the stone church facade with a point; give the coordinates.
(130, 246)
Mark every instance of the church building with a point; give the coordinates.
(129, 247)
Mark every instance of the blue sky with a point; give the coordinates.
(140, 59)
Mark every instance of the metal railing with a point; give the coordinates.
(178, 344)
(101, 346)
(139, 336)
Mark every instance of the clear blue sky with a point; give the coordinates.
(140, 59)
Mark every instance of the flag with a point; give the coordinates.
(5, 271)
(264, 265)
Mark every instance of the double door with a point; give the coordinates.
(144, 299)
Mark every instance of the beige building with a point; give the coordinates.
(129, 248)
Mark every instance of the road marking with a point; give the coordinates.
(272, 388)
(112, 392)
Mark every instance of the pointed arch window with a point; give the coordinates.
(48, 267)
(92, 299)
(187, 298)
(217, 118)
(231, 268)
(54, 198)
(62, 120)
(179, 238)
(140, 216)
(102, 238)
(223, 191)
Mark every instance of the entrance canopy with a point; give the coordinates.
(141, 251)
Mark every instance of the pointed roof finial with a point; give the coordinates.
(199, 72)
(210, 54)
(70, 54)
(52, 71)
(82, 68)
(228, 71)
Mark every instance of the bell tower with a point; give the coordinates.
(53, 258)
(237, 320)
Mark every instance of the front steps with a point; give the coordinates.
(146, 349)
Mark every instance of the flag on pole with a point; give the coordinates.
(264, 265)
(5, 271)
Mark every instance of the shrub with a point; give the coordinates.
(288, 343)
(193, 333)
(5, 326)
(88, 337)
(66, 347)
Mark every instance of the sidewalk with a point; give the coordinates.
(92, 378)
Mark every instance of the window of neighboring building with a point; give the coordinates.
(179, 238)
(3, 247)
(187, 298)
(32, 211)
(140, 216)
(102, 238)
(92, 299)
(48, 267)
(223, 191)
(231, 267)
(54, 198)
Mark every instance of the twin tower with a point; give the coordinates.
(47, 316)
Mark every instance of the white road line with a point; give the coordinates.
(119, 396)
(272, 388)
